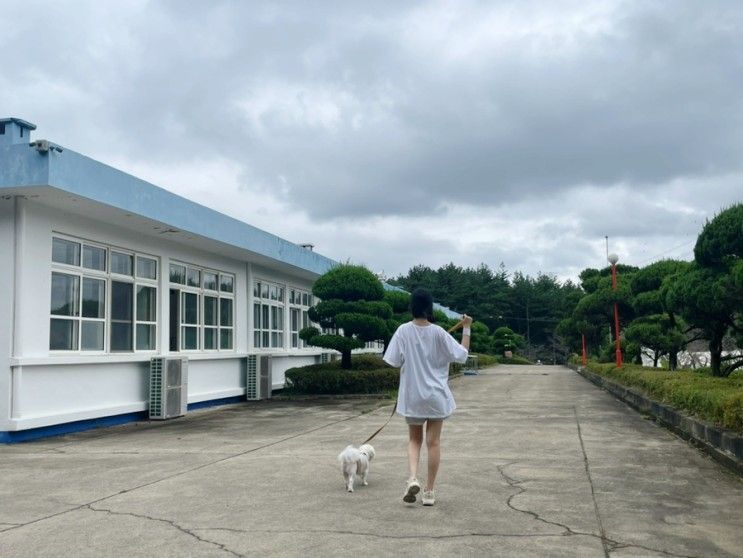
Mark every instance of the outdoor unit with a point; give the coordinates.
(168, 387)
(324, 358)
(259, 383)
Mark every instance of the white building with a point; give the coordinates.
(104, 271)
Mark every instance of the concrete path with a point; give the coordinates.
(537, 462)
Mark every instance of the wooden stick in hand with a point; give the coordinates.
(456, 326)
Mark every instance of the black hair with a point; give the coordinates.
(421, 304)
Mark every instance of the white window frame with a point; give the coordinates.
(302, 307)
(202, 293)
(108, 278)
(266, 305)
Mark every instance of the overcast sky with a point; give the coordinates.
(402, 133)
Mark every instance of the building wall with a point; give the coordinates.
(7, 279)
(41, 388)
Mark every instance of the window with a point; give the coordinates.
(201, 309)
(299, 303)
(268, 315)
(97, 305)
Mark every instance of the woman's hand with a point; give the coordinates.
(466, 320)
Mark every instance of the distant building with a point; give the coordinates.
(104, 271)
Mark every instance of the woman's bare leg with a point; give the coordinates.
(415, 440)
(433, 443)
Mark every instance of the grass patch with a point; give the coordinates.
(717, 400)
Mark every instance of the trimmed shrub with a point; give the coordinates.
(711, 398)
(513, 360)
(485, 360)
(370, 374)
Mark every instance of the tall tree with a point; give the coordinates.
(709, 295)
(352, 307)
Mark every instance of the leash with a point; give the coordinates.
(392, 414)
(456, 326)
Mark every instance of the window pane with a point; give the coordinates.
(94, 258)
(281, 294)
(146, 304)
(65, 251)
(121, 300)
(65, 295)
(94, 299)
(264, 290)
(274, 292)
(257, 339)
(210, 281)
(91, 336)
(280, 318)
(226, 283)
(190, 308)
(225, 338)
(274, 339)
(178, 274)
(146, 268)
(256, 316)
(225, 312)
(121, 315)
(264, 341)
(63, 335)
(210, 338)
(146, 337)
(274, 317)
(264, 316)
(190, 336)
(210, 310)
(121, 263)
(305, 299)
(294, 319)
(193, 277)
(295, 340)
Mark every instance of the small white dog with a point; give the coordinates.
(355, 461)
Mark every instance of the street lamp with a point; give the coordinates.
(613, 259)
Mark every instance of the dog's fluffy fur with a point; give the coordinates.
(355, 461)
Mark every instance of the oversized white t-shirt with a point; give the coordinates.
(423, 354)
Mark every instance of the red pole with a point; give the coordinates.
(585, 357)
(618, 344)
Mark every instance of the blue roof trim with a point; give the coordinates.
(21, 165)
(22, 123)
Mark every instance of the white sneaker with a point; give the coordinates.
(428, 498)
(413, 487)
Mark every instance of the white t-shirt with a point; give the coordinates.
(423, 354)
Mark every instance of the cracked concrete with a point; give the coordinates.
(536, 462)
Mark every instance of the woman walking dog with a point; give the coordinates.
(423, 352)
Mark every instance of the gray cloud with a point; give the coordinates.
(339, 113)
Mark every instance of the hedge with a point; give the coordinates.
(513, 360)
(370, 374)
(715, 399)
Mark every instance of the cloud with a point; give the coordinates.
(397, 134)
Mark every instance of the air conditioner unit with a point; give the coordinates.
(324, 358)
(259, 381)
(168, 387)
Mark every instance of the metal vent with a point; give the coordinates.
(252, 377)
(168, 387)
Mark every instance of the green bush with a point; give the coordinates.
(485, 360)
(370, 374)
(513, 360)
(715, 399)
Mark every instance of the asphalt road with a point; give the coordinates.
(536, 462)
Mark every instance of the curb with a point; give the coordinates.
(722, 444)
